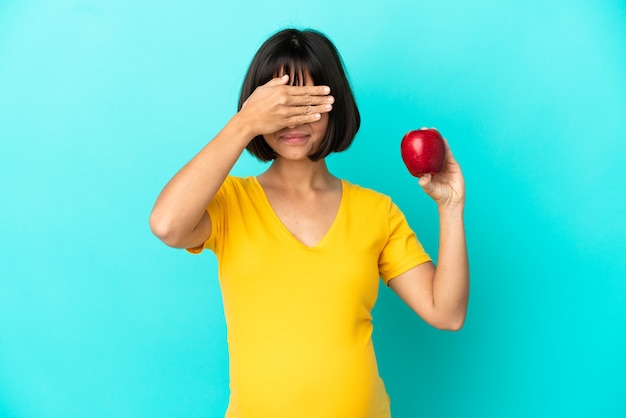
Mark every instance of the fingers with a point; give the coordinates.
(278, 104)
(302, 94)
(424, 180)
(308, 90)
(304, 91)
(309, 100)
(300, 115)
(302, 119)
(279, 81)
(310, 104)
(307, 110)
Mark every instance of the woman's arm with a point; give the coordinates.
(440, 295)
(179, 215)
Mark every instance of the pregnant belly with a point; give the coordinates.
(315, 381)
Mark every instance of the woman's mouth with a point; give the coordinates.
(293, 138)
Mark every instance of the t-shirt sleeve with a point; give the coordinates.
(402, 250)
(217, 213)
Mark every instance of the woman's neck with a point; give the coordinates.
(299, 175)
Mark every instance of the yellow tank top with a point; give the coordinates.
(299, 318)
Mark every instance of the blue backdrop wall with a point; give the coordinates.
(102, 101)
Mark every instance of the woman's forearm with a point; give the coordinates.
(451, 281)
(182, 203)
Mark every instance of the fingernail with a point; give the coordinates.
(328, 107)
(326, 90)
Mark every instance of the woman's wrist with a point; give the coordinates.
(451, 212)
(239, 128)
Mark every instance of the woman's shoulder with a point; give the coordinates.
(365, 194)
(239, 182)
(237, 187)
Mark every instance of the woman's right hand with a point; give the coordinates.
(276, 105)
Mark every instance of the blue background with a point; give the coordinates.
(102, 101)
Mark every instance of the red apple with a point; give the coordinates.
(423, 151)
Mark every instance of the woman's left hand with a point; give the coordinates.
(447, 188)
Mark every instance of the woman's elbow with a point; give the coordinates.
(163, 229)
(453, 324)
